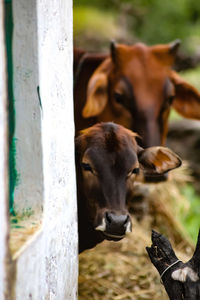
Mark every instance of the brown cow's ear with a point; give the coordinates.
(158, 160)
(97, 95)
(187, 98)
(97, 91)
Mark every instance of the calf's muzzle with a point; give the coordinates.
(115, 226)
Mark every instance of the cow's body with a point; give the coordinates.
(108, 159)
(134, 86)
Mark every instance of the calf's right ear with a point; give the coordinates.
(158, 160)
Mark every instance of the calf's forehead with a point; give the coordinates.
(109, 144)
(102, 159)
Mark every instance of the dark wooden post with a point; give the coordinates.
(181, 280)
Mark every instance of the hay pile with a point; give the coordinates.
(122, 270)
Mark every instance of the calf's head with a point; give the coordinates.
(108, 161)
(136, 87)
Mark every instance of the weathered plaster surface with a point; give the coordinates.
(48, 267)
(3, 165)
(29, 192)
(56, 83)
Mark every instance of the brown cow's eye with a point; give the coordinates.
(136, 171)
(170, 99)
(86, 167)
(118, 98)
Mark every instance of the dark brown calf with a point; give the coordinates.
(108, 160)
(181, 280)
(134, 86)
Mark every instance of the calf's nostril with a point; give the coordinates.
(116, 225)
(116, 220)
(108, 217)
(126, 220)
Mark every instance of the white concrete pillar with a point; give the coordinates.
(56, 91)
(28, 195)
(3, 165)
(46, 267)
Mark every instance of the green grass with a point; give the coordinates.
(190, 215)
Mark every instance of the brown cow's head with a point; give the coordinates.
(136, 87)
(108, 160)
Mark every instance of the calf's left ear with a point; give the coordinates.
(158, 160)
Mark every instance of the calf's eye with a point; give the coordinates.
(136, 171)
(86, 167)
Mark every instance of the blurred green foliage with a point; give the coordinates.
(174, 115)
(190, 216)
(91, 17)
(151, 21)
(192, 76)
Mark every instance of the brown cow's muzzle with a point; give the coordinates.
(114, 226)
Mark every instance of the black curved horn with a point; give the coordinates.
(173, 46)
(113, 50)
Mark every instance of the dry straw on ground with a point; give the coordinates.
(122, 270)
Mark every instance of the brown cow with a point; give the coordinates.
(108, 160)
(134, 86)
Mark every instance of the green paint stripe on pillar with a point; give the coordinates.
(12, 141)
